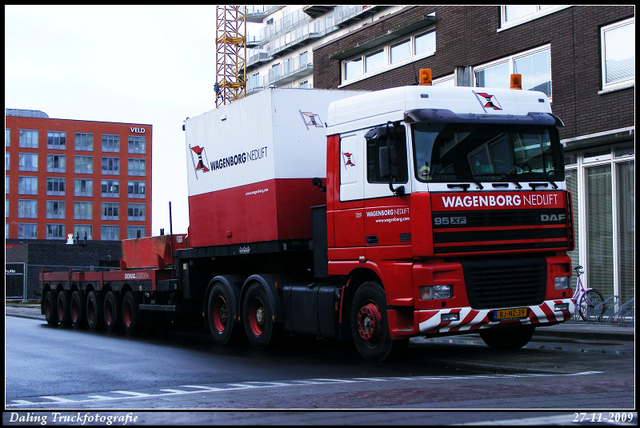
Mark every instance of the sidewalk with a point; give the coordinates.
(573, 329)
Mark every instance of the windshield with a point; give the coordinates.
(486, 152)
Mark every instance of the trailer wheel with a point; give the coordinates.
(94, 310)
(369, 324)
(221, 314)
(77, 310)
(130, 313)
(49, 306)
(507, 339)
(257, 315)
(62, 304)
(111, 312)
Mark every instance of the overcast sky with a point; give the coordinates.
(136, 64)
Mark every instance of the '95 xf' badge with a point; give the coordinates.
(446, 221)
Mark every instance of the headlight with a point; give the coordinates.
(562, 282)
(436, 292)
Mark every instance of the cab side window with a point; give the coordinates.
(386, 154)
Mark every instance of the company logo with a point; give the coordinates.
(311, 119)
(553, 217)
(137, 130)
(348, 159)
(199, 159)
(487, 101)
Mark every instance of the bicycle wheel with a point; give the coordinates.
(591, 306)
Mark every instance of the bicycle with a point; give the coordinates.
(589, 301)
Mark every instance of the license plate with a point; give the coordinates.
(506, 314)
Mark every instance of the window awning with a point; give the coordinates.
(407, 28)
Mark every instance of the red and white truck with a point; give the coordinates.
(366, 216)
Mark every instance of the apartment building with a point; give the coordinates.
(84, 180)
(581, 57)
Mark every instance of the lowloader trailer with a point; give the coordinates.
(366, 216)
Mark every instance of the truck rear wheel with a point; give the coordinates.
(77, 310)
(112, 310)
(257, 315)
(221, 314)
(370, 326)
(130, 313)
(507, 339)
(62, 305)
(49, 308)
(94, 310)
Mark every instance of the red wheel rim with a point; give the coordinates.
(219, 314)
(257, 316)
(369, 322)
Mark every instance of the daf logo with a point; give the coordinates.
(552, 217)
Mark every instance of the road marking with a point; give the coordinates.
(200, 389)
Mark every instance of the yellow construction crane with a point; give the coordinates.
(231, 53)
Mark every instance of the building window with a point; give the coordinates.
(513, 15)
(6, 210)
(83, 210)
(27, 162)
(6, 185)
(83, 187)
(135, 212)
(136, 189)
(137, 144)
(56, 163)
(83, 231)
(56, 140)
(27, 208)
(534, 66)
(135, 232)
(110, 211)
(7, 160)
(56, 209)
(55, 231)
(111, 166)
(389, 56)
(7, 137)
(137, 167)
(56, 186)
(110, 188)
(110, 143)
(84, 141)
(618, 54)
(28, 185)
(109, 233)
(27, 231)
(83, 165)
(28, 139)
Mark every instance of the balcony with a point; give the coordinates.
(257, 57)
(259, 13)
(301, 36)
(346, 15)
(316, 11)
(290, 70)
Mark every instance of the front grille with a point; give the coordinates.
(505, 283)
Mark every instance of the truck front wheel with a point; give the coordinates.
(257, 315)
(507, 339)
(369, 324)
(221, 314)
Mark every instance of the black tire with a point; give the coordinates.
(592, 309)
(221, 314)
(257, 316)
(370, 325)
(77, 310)
(507, 339)
(112, 312)
(62, 305)
(49, 308)
(132, 319)
(94, 310)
